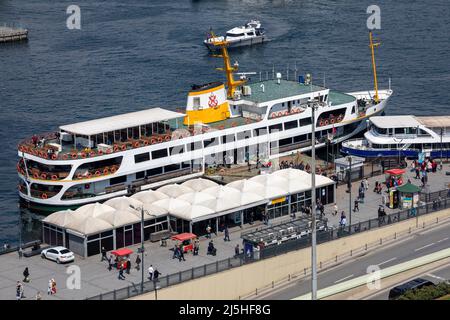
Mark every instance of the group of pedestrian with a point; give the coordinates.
(178, 252)
(153, 273)
(423, 168)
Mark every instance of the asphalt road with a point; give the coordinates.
(436, 276)
(419, 244)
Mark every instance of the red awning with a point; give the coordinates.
(395, 171)
(184, 236)
(122, 252)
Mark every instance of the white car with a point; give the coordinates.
(58, 254)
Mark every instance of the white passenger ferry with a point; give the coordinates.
(248, 34)
(99, 159)
(403, 136)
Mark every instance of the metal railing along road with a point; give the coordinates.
(275, 250)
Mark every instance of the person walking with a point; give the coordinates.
(208, 232)
(20, 252)
(138, 262)
(53, 286)
(26, 275)
(175, 252)
(110, 262)
(335, 209)
(181, 254)
(236, 251)
(19, 291)
(227, 234)
(196, 247)
(49, 288)
(356, 207)
(38, 296)
(156, 274)
(128, 264)
(103, 254)
(121, 276)
(150, 272)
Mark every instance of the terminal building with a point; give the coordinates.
(187, 207)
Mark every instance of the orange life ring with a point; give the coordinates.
(321, 123)
(116, 148)
(100, 152)
(83, 155)
(124, 147)
(167, 138)
(153, 141)
(113, 169)
(160, 139)
(280, 114)
(105, 171)
(332, 120)
(233, 124)
(273, 115)
(247, 121)
(79, 176)
(339, 119)
(21, 148)
(89, 175)
(325, 122)
(44, 196)
(108, 151)
(36, 175)
(286, 113)
(45, 156)
(54, 177)
(65, 156)
(74, 155)
(54, 157)
(98, 173)
(136, 144)
(43, 176)
(146, 142)
(92, 154)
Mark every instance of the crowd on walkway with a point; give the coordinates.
(20, 288)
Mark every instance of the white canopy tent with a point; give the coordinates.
(149, 196)
(199, 184)
(175, 190)
(89, 225)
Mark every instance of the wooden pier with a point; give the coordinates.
(12, 34)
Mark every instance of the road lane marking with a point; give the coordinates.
(379, 264)
(337, 281)
(436, 277)
(428, 245)
(442, 240)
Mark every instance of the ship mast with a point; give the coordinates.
(374, 67)
(228, 68)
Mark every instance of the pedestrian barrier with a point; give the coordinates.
(272, 251)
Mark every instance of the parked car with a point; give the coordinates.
(58, 254)
(418, 283)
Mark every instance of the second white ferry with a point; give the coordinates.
(96, 160)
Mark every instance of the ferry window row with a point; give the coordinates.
(401, 131)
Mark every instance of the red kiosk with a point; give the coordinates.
(187, 241)
(122, 256)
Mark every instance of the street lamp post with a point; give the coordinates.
(440, 164)
(349, 159)
(313, 107)
(142, 242)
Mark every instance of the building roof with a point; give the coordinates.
(199, 184)
(127, 120)
(395, 122)
(435, 121)
(182, 202)
(274, 91)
